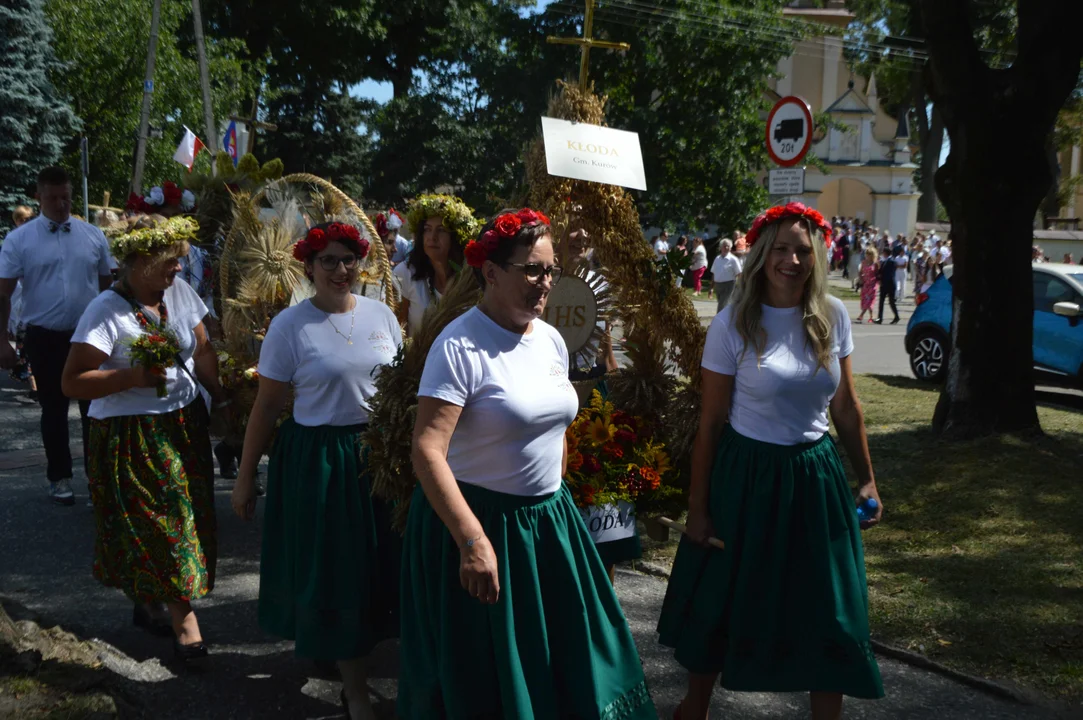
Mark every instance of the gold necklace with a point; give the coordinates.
(353, 315)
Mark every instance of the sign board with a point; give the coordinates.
(786, 181)
(593, 153)
(573, 310)
(606, 523)
(148, 86)
(789, 131)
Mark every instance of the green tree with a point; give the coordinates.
(37, 122)
(104, 46)
(992, 197)
(319, 133)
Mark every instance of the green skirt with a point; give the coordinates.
(785, 606)
(329, 566)
(152, 484)
(555, 645)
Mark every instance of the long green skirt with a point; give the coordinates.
(555, 645)
(329, 566)
(785, 606)
(152, 485)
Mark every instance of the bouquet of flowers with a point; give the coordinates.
(612, 456)
(156, 350)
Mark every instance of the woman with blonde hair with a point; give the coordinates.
(784, 607)
(150, 468)
(867, 282)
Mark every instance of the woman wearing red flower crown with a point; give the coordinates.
(784, 607)
(328, 565)
(507, 611)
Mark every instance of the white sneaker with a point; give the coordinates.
(61, 494)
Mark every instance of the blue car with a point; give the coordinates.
(1058, 326)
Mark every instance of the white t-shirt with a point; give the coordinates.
(333, 381)
(109, 324)
(516, 398)
(784, 400)
(726, 268)
(417, 292)
(661, 247)
(59, 270)
(699, 258)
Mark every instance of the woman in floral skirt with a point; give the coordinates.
(867, 275)
(136, 355)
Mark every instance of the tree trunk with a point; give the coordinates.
(992, 198)
(931, 146)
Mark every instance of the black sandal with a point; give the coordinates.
(189, 653)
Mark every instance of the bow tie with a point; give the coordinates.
(54, 227)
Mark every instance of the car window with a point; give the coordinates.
(1049, 290)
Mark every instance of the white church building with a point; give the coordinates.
(870, 172)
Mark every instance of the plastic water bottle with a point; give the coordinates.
(867, 510)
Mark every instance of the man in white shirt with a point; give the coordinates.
(62, 263)
(724, 271)
(661, 246)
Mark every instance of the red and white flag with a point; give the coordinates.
(188, 149)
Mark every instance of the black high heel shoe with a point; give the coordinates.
(142, 618)
(189, 653)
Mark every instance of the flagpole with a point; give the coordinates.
(148, 90)
(204, 79)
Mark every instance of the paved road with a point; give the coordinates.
(45, 566)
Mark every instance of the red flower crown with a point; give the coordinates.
(504, 227)
(777, 213)
(317, 239)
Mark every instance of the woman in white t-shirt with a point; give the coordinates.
(442, 227)
(150, 469)
(507, 611)
(785, 606)
(324, 580)
(698, 266)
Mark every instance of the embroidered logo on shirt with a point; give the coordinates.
(381, 342)
(556, 370)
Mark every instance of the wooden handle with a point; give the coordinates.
(713, 542)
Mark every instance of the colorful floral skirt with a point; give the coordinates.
(784, 607)
(555, 645)
(329, 570)
(152, 485)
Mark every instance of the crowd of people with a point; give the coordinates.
(500, 599)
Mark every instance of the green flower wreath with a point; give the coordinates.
(148, 241)
(458, 218)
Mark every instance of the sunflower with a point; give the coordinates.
(600, 432)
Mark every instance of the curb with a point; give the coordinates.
(1005, 692)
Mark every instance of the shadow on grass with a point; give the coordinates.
(977, 557)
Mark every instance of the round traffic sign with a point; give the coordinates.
(789, 130)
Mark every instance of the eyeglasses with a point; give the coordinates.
(330, 262)
(535, 271)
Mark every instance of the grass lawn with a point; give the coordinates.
(977, 561)
(844, 293)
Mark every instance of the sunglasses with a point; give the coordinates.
(535, 271)
(330, 262)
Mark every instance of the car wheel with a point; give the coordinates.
(929, 356)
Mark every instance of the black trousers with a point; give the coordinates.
(887, 292)
(47, 351)
(846, 262)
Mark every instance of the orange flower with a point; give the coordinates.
(613, 450)
(652, 477)
(575, 461)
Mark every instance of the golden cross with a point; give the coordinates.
(586, 43)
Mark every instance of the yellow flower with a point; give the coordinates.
(600, 433)
(661, 462)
